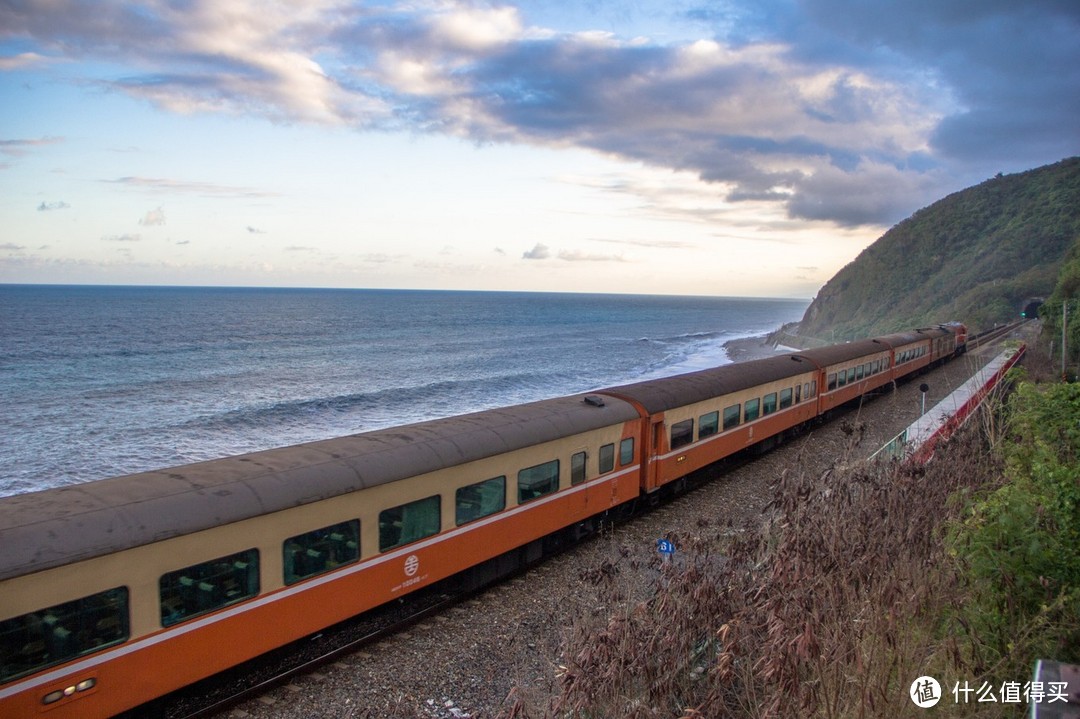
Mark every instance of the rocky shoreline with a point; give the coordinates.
(750, 348)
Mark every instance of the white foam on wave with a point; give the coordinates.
(701, 355)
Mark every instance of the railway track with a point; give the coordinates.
(216, 696)
(991, 336)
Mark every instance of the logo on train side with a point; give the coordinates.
(412, 565)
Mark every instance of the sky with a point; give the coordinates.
(726, 147)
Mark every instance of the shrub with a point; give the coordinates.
(1020, 541)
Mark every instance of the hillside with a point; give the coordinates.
(974, 256)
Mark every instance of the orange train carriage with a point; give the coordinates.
(117, 591)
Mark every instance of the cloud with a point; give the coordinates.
(255, 230)
(50, 206)
(12, 246)
(542, 252)
(122, 238)
(658, 244)
(1011, 70)
(381, 258)
(238, 57)
(204, 189)
(18, 148)
(579, 256)
(539, 252)
(837, 110)
(153, 217)
(23, 59)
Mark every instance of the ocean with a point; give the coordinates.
(101, 381)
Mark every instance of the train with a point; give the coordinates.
(118, 591)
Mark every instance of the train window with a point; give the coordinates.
(537, 481)
(708, 425)
(751, 410)
(806, 391)
(832, 382)
(202, 588)
(768, 405)
(480, 499)
(731, 416)
(321, 550)
(798, 393)
(49, 636)
(682, 433)
(860, 372)
(409, 522)
(577, 468)
(785, 397)
(813, 388)
(851, 375)
(842, 378)
(626, 451)
(607, 458)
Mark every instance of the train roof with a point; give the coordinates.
(899, 339)
(52, 527)
(836, 354)
(664, 394)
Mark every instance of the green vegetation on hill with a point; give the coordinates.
(1067, 290)
(976, 256)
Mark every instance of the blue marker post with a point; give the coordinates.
(666, 548)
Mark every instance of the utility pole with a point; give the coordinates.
(1064, 323)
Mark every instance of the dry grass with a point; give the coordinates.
(831, 606)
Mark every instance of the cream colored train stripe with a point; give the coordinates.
(246, 606)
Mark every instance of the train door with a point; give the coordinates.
(653, 451)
